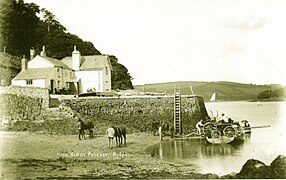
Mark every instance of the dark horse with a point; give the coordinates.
(85, 126)
(120, 135)
(167, 128)
(155, 127)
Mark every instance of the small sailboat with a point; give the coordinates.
(213, 97)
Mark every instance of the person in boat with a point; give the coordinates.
(230, 121)
(224, 117)
(213, 120)
(246, 124)
(199, 126)
(222, 122)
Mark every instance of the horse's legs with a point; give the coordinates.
(109, 142)
(79, 134)
(120, 140)
(90, 133)
(124, 139)
(83, 134)
(116, 140)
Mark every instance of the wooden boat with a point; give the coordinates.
(223, 133)
(220, 140)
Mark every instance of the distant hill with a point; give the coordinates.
(225, 91)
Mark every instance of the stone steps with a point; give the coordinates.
(56, 114)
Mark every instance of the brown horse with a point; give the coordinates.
(167, 128)
(120, 135)
(155, 127)
(86, 126)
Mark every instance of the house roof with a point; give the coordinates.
(89, 62)
(55, 62)
(93, 62)
(67, 61)
(35, 73)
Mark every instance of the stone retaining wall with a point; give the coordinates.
(138, 114)
(22, 103)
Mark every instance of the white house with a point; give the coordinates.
(77, 73)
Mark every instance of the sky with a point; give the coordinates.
(183, 40)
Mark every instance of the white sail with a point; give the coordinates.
(213, 98)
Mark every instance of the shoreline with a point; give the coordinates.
(62, 156)
(38, 155)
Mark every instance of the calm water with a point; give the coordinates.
(264, 144)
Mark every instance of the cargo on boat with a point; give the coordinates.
(223, 132)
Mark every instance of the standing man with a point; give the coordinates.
(199, 126)
(110, 134)
(160, 133)
(79, 128)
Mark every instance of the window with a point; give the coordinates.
(106, 70)
(29, 82)
(58, 71)
(106, 82)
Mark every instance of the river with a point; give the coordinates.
(264, 144)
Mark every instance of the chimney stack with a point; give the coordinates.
(75, 59)
(43, 52)
(32, 53)
(24, 63)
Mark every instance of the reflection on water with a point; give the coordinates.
(264, 144)
(195, 148)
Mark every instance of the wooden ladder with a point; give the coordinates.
(177, 111)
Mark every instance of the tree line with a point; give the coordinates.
(268, 94)
(26, 25)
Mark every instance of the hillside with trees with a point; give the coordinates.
(26, 25)
(276, 94)
(9, 68)
(225, 91)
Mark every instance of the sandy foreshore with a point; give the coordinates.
(36, 155)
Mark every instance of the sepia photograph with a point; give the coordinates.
(142, 89)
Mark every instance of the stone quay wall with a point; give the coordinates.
(137, 114)
(22, 103)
